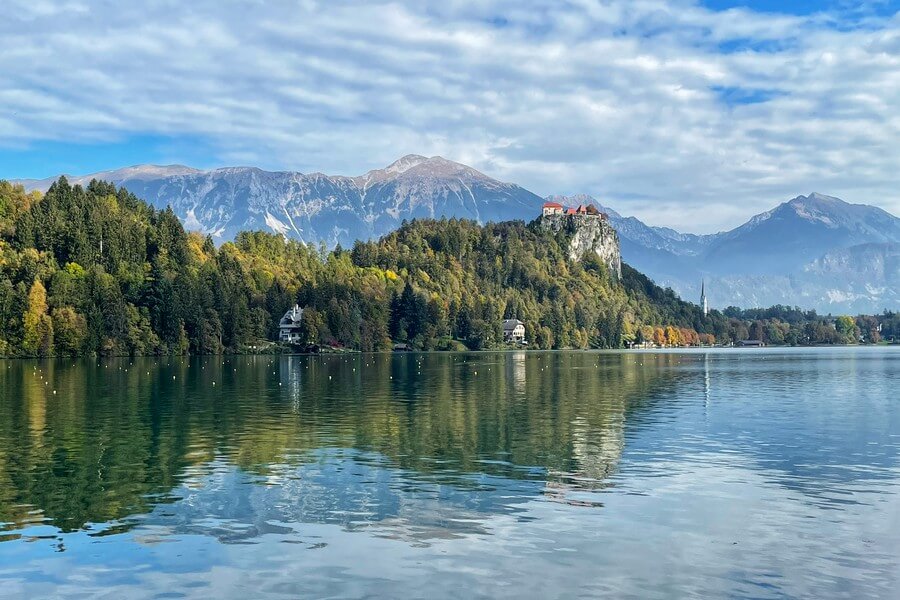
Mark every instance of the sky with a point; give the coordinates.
(685, 113)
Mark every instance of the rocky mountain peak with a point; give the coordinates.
(815, 202)
(415, 169)
(868, 223)
(440, 167)
(817, 198)
(404, 163)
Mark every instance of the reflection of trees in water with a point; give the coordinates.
(119, 436)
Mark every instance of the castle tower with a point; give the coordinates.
(703, 298)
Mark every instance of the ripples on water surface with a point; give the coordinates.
(762, 473)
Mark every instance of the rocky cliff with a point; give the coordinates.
(587, 234)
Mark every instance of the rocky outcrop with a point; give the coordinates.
(587, 234)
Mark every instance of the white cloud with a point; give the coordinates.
(620, 99)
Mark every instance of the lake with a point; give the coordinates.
(728, 473)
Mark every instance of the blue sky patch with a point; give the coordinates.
(47, 158)
(808, 7)
(736, 96)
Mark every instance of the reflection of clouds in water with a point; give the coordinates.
(635, 546)
(356, 491)
(817, 420)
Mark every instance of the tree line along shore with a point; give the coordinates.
(96, 271)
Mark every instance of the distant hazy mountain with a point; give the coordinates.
(859, 274)
(316, 207)
(814, 251)
(792, 234)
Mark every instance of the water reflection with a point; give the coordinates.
(122, 433)
(428, 450)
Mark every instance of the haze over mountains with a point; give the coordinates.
(814, 251)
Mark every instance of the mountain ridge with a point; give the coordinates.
(337, 209)
(765, 260)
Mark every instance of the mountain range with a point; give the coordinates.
(814, 251)
(316, 207)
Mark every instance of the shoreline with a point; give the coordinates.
(691, 349)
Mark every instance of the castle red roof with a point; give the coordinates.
(552, 205)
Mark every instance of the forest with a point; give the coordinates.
(95, 270)
(793, 326)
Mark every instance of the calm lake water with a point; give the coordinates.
(759, 473)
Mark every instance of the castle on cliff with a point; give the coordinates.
(587, 231)
(555, 208)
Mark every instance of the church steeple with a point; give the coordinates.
(703, 298)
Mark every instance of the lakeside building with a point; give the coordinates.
(289, 326)
(513, 331)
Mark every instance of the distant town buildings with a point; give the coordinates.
(289, 326)
(513, 331)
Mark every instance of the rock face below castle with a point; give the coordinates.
(586, 234)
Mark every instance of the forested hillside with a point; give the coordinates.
(96, 270)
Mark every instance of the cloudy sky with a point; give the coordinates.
(694, 114)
